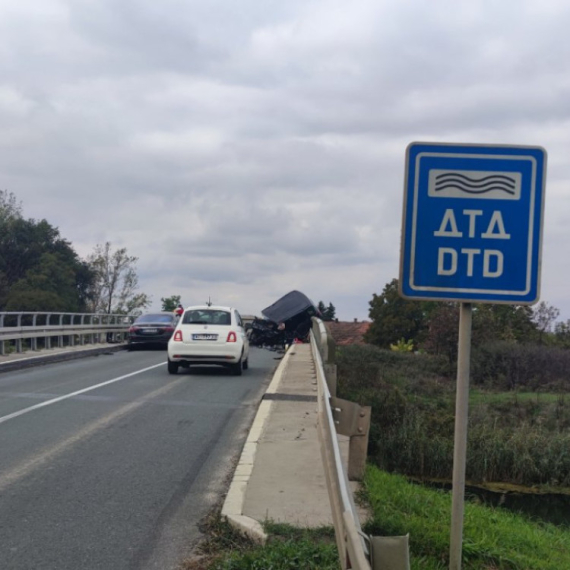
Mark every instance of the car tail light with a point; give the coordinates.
(178, 336)
(231, 337)
(168, 329)
(132, 329)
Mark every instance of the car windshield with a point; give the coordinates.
(207, 317)
(154, 319)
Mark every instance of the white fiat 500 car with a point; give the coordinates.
(209, 335)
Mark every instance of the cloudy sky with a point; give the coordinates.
(244, 148)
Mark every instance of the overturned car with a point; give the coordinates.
(288, 320)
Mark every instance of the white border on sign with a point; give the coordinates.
(530, 225)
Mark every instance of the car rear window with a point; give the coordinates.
(207, 317)
(154, 319)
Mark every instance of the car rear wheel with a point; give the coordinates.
(237, 368)
(172, 367)
(246, 364)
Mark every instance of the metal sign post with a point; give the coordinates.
(460, 443)
(471, 232)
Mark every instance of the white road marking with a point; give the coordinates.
(51, 453)
(72, 394)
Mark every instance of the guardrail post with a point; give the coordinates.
(358, 446)
(92, 336)
(327, 350)
(331, 348)
(34, 340)
(71, 337)
(19, 340)
(331, 377)
(48, 338)
(353, 421)
(81, 337)
(60, 337)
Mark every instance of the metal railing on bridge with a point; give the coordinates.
(337, 416)
(21, 331)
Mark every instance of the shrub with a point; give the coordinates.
(509, 365)
(515, 437)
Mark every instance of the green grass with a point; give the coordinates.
(287, 548)
(492, 538)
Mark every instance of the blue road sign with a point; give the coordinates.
(472, 223)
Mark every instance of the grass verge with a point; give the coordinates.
(493, 539)
(287, 548)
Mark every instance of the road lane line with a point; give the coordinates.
(26, 467)
(72, 394)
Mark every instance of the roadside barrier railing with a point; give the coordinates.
(27, 330)
(337, 416)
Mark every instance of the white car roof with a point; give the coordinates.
(206, 307)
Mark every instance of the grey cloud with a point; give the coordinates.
(260, 146)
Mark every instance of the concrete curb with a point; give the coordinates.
(232, 509)
(62, 356)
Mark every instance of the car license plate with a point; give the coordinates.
(204, 336)
(149, 331)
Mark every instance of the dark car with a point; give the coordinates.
(284, 322)
(152, 329)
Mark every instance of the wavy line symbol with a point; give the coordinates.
(471, 185)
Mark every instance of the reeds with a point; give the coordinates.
(514, 438)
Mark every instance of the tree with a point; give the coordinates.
(170, 303)
(48, 286)
(114, 288)
(9, 207)
(39, 270)
(543, 316)
(493, 322)
(443, 330)
(394, 318)
(562, 333)
(327, 313)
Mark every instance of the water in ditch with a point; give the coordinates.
(552, 508)
(548, 507)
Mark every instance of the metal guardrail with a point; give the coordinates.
(68, 329)
(356, 550)
(353, 551)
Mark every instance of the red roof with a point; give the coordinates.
(345, 333)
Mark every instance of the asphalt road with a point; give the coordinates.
(109, 462)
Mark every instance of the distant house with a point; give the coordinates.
(346, 332)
